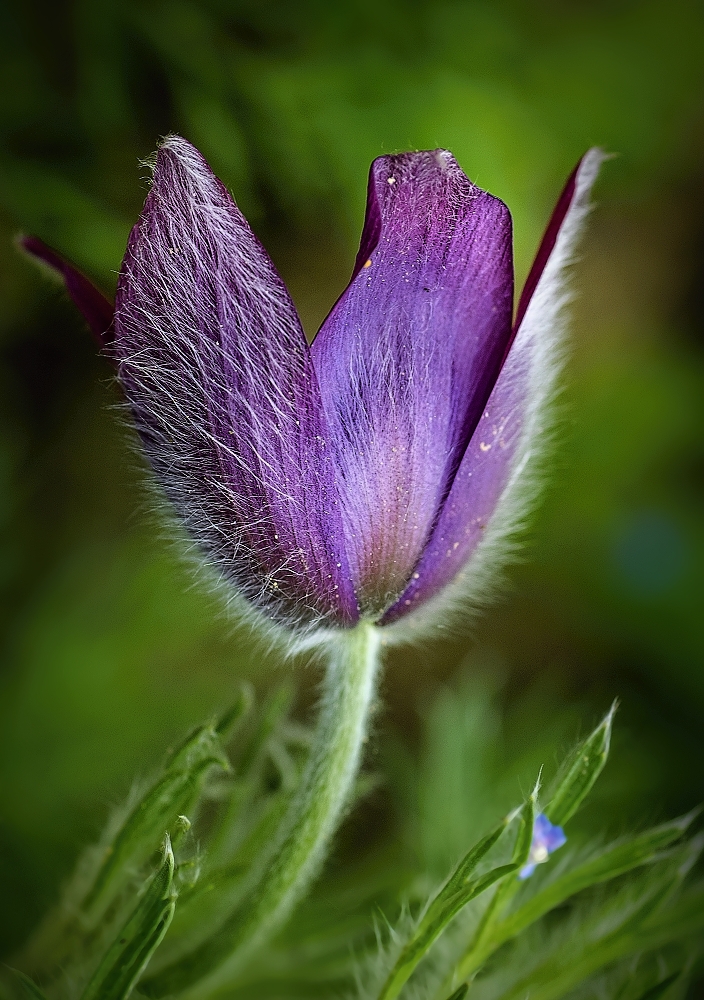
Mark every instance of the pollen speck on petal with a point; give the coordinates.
(408, 356)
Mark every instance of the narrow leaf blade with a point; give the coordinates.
(28, 985)
(618, 859)
(459, 889)
(172, 795)
(231, 719)
(460, 993)
(127, 957)
(581, 771)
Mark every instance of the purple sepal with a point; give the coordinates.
(510, 428)
(215, 365)
(408, 356)
(546, 839)
(97, 310)
(547, 244)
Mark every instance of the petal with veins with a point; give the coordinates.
(216, 368)
(495, 485)
(408, 356)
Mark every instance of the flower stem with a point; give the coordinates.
(312, 818)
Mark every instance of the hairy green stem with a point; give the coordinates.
(312, 818)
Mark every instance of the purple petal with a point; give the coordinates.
(491, 492)
(408, 356)
(98, 311)
(215, 365)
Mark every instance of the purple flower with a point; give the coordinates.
(382, 469)
(546, 839)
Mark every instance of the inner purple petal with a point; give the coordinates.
(408, 356)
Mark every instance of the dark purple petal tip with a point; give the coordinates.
(97, 310)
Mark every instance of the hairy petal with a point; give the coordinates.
(408, 356)
(216, 368)
(496, 481)
(97, 310)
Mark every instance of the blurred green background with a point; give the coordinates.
(109, 650)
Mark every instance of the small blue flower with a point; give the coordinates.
(546, 839)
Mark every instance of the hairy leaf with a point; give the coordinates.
(28, 985)
(172, 795)
(635, 920)
(131, 950)
(459, 889)
(615, 860)
(581, 770)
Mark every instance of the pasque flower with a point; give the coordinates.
(375, 473)
(360, 484)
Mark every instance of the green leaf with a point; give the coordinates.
(173, 795)
(622, 925)
(459, 889)
(28, 985)
(230, 720)
(131, 950)
(216, 888)
(660, 989)
(580, 772)
(521, 849)
(273, 712)
(227, 833)
(615, 860)
(460, 993)
(618, 859)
